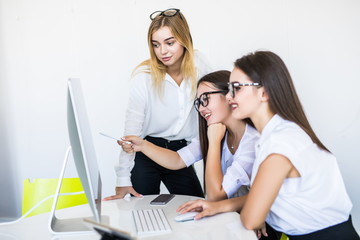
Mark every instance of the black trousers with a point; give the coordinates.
(341, 231)
(147, 175)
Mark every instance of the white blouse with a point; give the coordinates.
(171, 116)
(314, 201)
(236, 168)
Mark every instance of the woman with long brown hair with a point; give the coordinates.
(296, 184)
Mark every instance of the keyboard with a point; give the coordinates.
(150, 221)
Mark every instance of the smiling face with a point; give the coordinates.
(167, 49)
(218, 110)
(247, 98)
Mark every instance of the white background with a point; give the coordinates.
(43, 43)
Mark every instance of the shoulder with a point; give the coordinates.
(140, 84)
(287, 139)
(140, 77)
(289, 132)
(140, 80)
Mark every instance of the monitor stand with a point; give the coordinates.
(71, 225)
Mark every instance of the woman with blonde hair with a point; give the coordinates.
(160, 108)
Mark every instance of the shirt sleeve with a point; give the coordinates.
(289, 142)
(191, 153)
(236, 176)
(134, 123)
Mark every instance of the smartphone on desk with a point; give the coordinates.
(162, 199)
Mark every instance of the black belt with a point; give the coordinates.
(162, 142)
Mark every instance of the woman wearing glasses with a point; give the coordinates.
(160, 108)
(296, 185)
(226, 145)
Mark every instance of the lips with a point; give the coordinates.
(165, 59)
(207, 116)
(233, 106)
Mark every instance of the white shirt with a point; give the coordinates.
(236, 168)
(172, 117)
(314, 201)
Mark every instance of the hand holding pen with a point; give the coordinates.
(129, 143)
(126, 145)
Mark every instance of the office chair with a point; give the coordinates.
(40, 189)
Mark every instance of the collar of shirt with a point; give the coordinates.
(169, 79)
(249, 134)
(268, 129)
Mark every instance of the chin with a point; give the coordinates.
(167, 64)
(237, 116)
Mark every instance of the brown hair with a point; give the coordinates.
(270, 71)
(219, 80)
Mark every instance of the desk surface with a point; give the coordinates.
(221, 226)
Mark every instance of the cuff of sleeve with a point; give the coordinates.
(123, 181)
(186, 156)
(232, 183)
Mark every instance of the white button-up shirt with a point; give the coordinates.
(171, 116)
(236, 168)
(318, 198)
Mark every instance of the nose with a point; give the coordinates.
(201, 110)
(163, 49)
(228, 97)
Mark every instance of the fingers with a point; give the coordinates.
(202, 214)
(192, 206)
(127, 148)
(263, 231)
(136, 194)
(258, 233)
(131, 143)
(184, 206)
(113, 197)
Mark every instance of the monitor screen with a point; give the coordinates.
(82, 146)
(85, 159)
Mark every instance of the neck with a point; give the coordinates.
(261, 118)
(236, 129)
(175, 73)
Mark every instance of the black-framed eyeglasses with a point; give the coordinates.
(203, 99)
(235, 86)
(167, 13)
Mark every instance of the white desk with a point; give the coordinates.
(221, 226)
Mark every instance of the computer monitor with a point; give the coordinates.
(85, 161)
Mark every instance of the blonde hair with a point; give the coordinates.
(180, 29)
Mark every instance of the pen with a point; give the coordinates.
(126, 142)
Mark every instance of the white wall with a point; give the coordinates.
(42, 43)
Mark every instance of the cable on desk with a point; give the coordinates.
(37, 205)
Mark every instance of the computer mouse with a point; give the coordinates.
(185, 217)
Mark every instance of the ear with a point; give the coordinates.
(264, 97)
